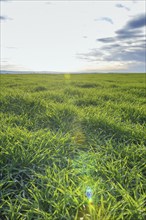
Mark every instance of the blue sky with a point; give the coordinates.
(73, 36)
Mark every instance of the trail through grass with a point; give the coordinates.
(60, 135)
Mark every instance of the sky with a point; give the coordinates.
(73, 36)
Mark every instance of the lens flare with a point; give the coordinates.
(67, 76)
(89, 193)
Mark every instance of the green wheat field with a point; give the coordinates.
(61, 134)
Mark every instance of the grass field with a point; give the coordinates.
(62, 134)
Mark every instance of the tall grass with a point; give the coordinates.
(61, 135)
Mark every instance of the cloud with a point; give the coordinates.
(122, 35)
(106, 39)
(122, 6)
(12, 67)
(132, 30)
(138, 22)
(127, 54)
(4, 18)
(48, 2)
(92, 56)
(117, 57)
(107, 19)
(6, 0)
(127, 34)
(117, 52)
(128, 46)
(12, 48)
(111, 46)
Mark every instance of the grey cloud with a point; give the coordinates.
(4, 18)
(116, 52)
(132, 30)
(133, 52)
(91, 56)
(122, 6)
(111, 46)
(94, 53)
(121, 35)
(128, 45)
(130, 50)
(138, 22)
(106, 39)
(126, 34)
(107, 19)
(123, 55)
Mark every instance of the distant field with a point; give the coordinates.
(62, 134)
